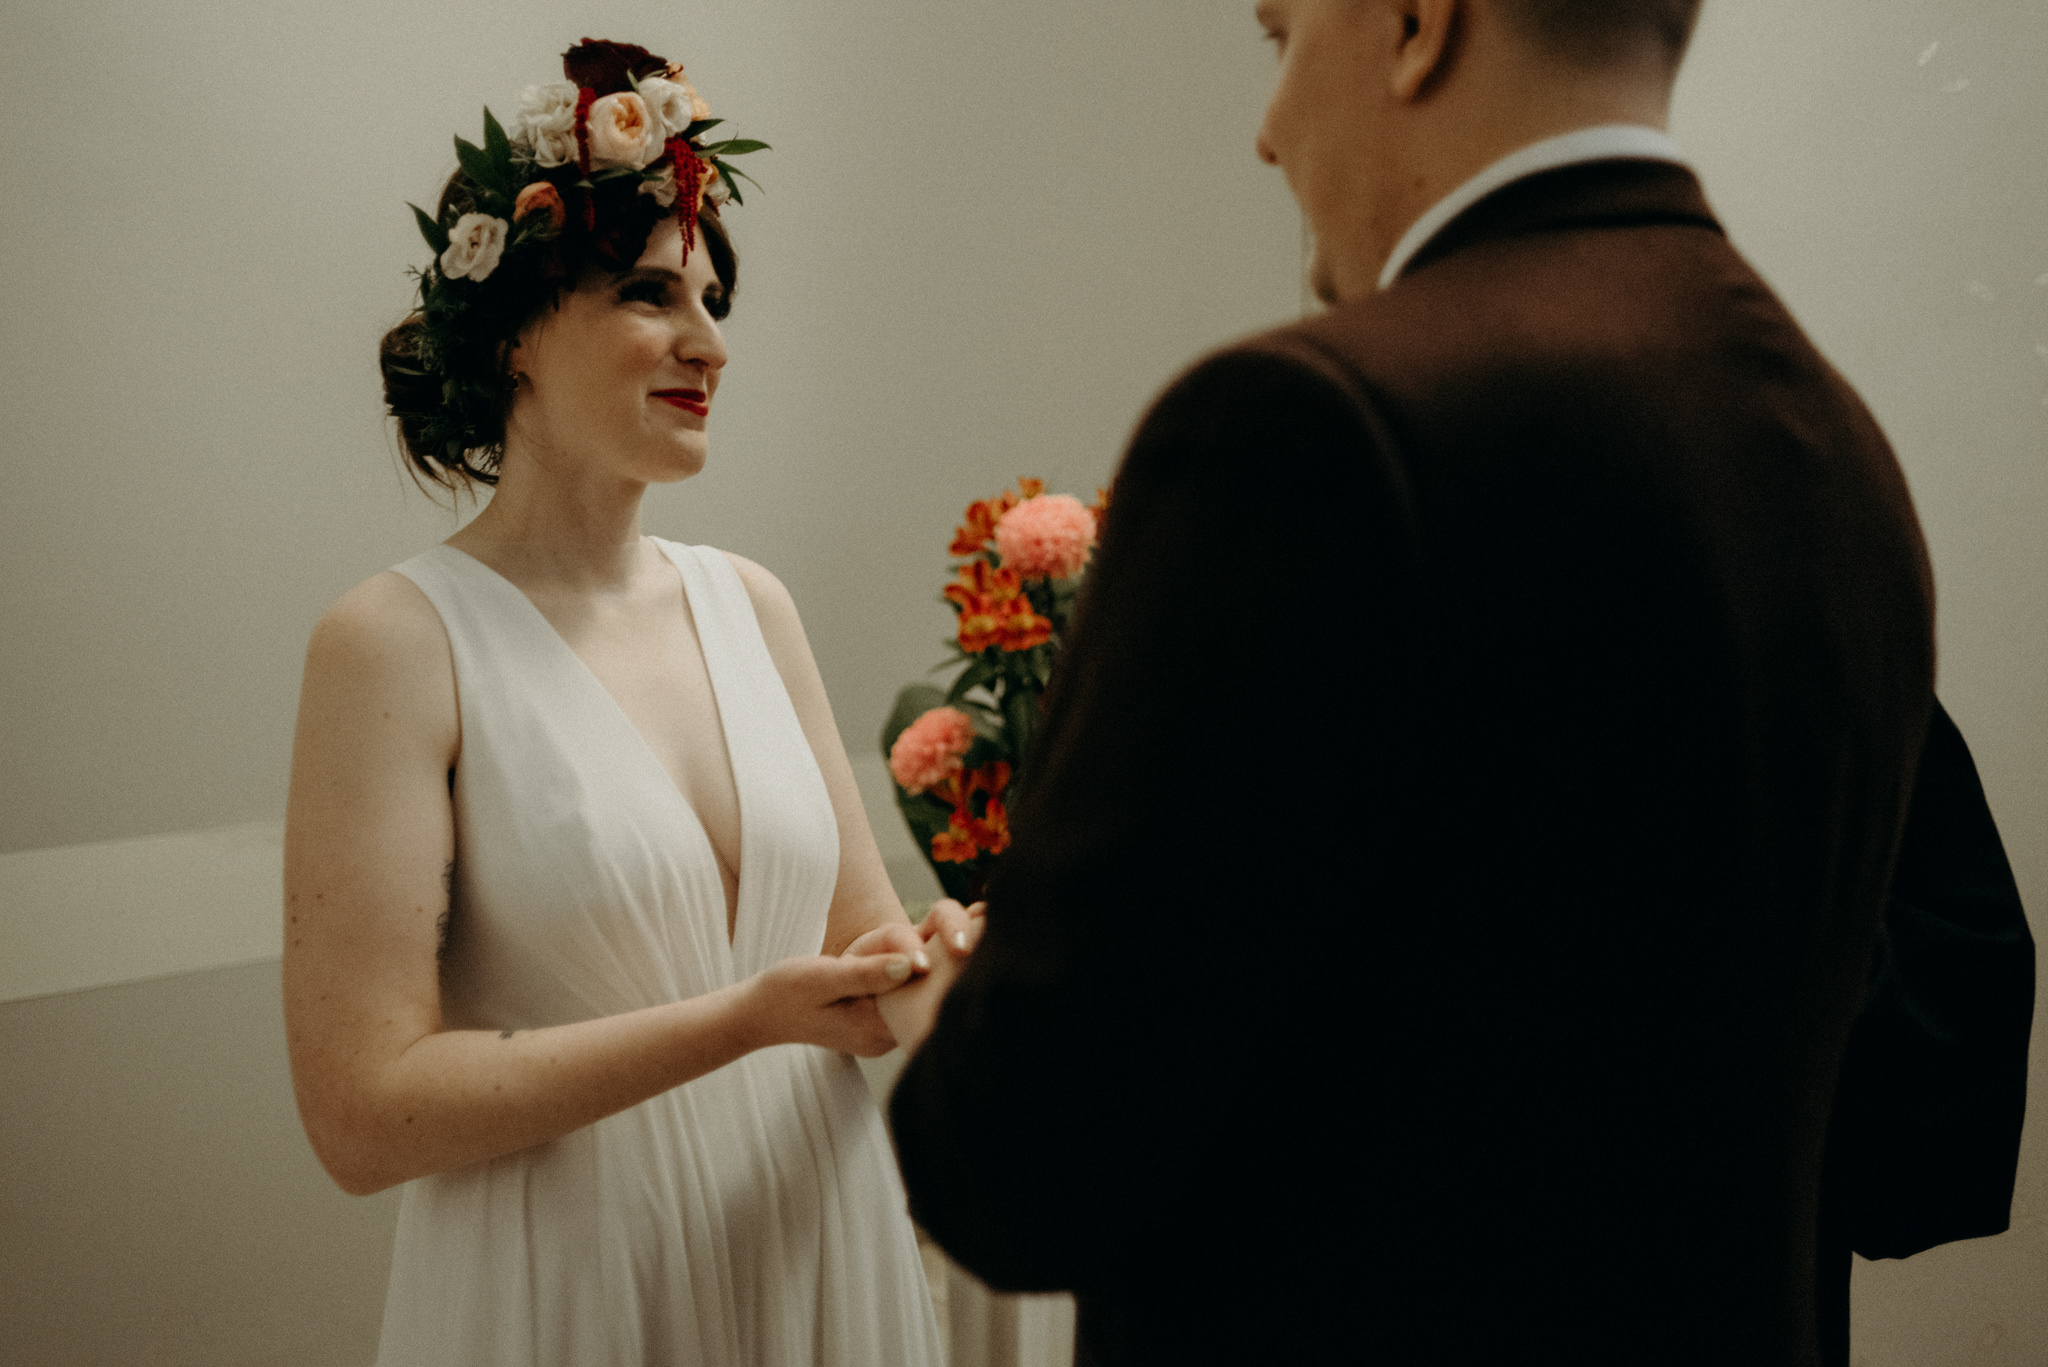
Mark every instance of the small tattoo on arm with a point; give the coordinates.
(507, 1034)
(447, 913)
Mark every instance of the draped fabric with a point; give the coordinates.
(753, 1215)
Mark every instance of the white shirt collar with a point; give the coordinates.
(1603, 143)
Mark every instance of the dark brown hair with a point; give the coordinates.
(451, 399)
(1597, 33)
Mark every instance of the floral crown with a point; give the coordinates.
(624, 117)
(592, 162)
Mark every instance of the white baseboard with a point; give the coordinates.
(115, 911)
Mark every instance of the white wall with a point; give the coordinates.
(1900, 205)
(991, 230)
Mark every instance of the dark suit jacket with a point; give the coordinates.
(1923, 1144)
(1451, 859)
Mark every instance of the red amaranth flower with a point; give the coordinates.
(688, 169)
(585, 97)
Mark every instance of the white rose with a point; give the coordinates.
(475, 244)
(662, 185)
(547, 115)
(669, 103)
(623, 133)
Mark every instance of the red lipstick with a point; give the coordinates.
(689, 400)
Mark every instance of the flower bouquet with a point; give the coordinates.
(957, 754)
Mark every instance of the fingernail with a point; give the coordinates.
(899, 968)
(922, 960)
(959, 939)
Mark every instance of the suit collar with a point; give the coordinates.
(1612, 192)
(1602, 142)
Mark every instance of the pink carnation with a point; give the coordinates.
(930, 749)
(1047, 537)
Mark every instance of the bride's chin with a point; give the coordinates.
(686, 460)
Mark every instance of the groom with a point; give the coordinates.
(1457, 836)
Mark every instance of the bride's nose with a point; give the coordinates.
(700, 343)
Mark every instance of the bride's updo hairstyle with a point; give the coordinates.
(591, 165)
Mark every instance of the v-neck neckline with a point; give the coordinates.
(626, 720)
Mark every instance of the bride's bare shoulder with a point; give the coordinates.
(383, 641)
(385, 614)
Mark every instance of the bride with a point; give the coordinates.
(583, 918)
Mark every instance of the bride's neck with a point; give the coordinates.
(561, 528)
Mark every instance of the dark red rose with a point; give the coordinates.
(595, 64)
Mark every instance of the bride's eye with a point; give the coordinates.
(717, 304)
(644, 290)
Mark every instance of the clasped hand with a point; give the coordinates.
(883, 990)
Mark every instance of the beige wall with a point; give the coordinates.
(991, 230)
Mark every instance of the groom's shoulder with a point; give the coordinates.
(1381, 349)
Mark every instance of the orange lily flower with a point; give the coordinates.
(973, 536)
(1022, 627)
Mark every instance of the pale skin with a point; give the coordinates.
(387, 1092)
(1383, 107)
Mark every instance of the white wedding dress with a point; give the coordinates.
(753, 1216)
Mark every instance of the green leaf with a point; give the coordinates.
(698, 126)
(987, 750)
(496, 145)
(1020, 713)
(988, 721)
(737, 147)
(732, 185)
(733, 178)
(436, 235)
(974, 676)
(911, 703)
(479, 166)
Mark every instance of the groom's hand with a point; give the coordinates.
(956, 928)
(911, 1009)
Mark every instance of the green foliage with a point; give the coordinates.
(482, 170)
(436, 235)
(497, 146)
(911, 703)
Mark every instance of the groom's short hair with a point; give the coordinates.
(1596, 32)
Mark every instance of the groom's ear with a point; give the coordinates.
(1428, 33)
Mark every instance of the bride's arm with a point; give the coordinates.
(385, 1091)
(864, 905)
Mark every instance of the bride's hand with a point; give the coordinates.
(829, 1000)
(896, 937)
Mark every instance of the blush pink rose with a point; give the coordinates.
(931, 749)
(623, 132)
(1047, 537)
